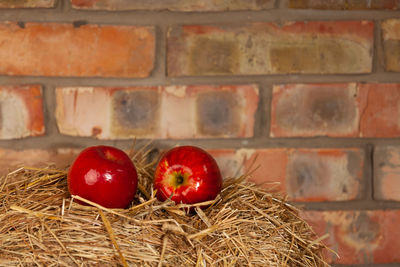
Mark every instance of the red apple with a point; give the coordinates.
(188, 175)
(104, 175)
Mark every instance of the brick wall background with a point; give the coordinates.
(311, 88)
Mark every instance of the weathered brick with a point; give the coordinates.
(51, 49)
(325, 174)
(315, 110)
(337, 110)
(12, 159)
(387, 173)
(21, 111)
(158, 112)
(174, 5)
(264, 48)
(301, 174)
(391, 44)
(135, 112)
(217, 113)
(381, 112)
(344, 4)
(27, 3)
(359, 237)
(83, 111)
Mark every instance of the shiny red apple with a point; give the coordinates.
(188, 175)
(104, 175)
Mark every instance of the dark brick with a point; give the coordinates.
(214, 57)
(321, 175)
(135, 112)
(315, 109)
(218, 114)
(264, 48)
(298, 58)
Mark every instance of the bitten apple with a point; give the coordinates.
(188, 175)
(104, 175)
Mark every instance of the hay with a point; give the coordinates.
(41, 225)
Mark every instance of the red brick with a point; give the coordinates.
(175, 112)
(380, 114)
(315, 110)
(27, 4)
(267, 166)
(266, 48)
(12, 159)
(359, 237)
(387, 173)
(391, 44)
(51, 49)
(21, 111)
(175, 5)
(344, 4)
(301, 174)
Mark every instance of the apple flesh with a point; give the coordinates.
(187, 174)
(104, 175)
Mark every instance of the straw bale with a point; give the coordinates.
(42, 225)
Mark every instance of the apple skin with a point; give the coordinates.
(188, 175)
(104, 175)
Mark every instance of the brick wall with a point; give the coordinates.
(309, 88)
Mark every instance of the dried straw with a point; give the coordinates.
(42, 225)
